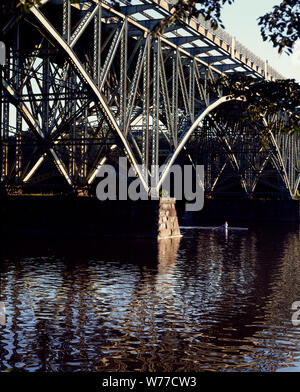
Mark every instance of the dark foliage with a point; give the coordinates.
(266, 99)
(281, 26)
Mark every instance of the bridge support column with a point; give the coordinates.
(168, 226)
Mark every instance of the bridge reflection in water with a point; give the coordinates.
(202, 302)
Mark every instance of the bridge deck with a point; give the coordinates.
(194, 37)
(86, 84)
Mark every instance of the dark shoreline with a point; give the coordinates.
(87, 217)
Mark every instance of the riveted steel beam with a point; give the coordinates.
(123, 91)
(134, 9)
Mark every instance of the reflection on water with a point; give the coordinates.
(202, 302)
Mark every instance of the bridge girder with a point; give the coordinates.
(95, 84)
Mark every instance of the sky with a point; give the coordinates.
(240, 20)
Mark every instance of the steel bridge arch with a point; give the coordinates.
(285, 175)
(276, 152)
(87, 79)
(205, 112)
(185, 137)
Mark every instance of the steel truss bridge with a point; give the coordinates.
(88, 82)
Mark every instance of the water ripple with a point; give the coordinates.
(204, 302)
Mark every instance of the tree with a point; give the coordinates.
(209, 9)
(266, 99)
(281, 26)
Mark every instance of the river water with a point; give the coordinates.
(204, 302)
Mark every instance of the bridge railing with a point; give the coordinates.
(219, 32)
(241, 52)
(239, 47)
